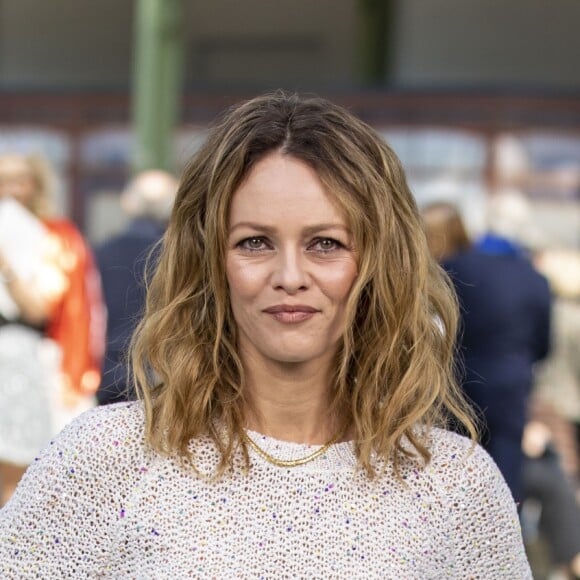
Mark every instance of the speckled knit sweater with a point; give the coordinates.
(98, 503)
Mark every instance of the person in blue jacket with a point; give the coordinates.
(505, 305)
(147, 201)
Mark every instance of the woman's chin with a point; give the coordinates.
(290, 357)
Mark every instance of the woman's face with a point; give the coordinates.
(290, 263)
(16, 180)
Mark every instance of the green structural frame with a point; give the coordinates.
(158, 58)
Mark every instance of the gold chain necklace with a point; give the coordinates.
(290, 462)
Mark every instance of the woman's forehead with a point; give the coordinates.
(283, 188)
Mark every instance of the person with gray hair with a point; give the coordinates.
(147, 200)
(150, 195)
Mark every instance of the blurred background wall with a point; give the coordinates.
(446, 82)
(509, 44)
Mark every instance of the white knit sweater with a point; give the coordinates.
(98, 504)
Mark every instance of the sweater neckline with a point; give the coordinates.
(337, 456)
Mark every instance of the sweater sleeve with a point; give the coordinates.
(484, 520)
(63, 518)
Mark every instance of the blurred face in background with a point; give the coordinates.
(17, 180)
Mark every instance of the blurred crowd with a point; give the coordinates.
(67, 312)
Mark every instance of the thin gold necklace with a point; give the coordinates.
(291, 462)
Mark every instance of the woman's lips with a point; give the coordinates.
(291, 314)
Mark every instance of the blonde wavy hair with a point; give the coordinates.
(394, 368)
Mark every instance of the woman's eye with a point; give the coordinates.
(325, 245)
(253, 244)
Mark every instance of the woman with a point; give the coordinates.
(51, 318)
(292, 373)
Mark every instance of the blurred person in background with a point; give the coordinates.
(147, 201)
(505, 305)
(558, 377)
(552, 435)
(550, 506)
(51, 320)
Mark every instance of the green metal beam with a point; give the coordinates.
(158, 57)
(375, 19)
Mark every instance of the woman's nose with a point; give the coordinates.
(289, 272)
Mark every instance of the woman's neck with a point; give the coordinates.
(291, 402)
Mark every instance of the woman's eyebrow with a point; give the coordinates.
(254, 226)
(308, 230)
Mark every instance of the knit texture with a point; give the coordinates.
(98, 503)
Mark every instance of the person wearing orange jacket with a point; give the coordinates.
(52, 321)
